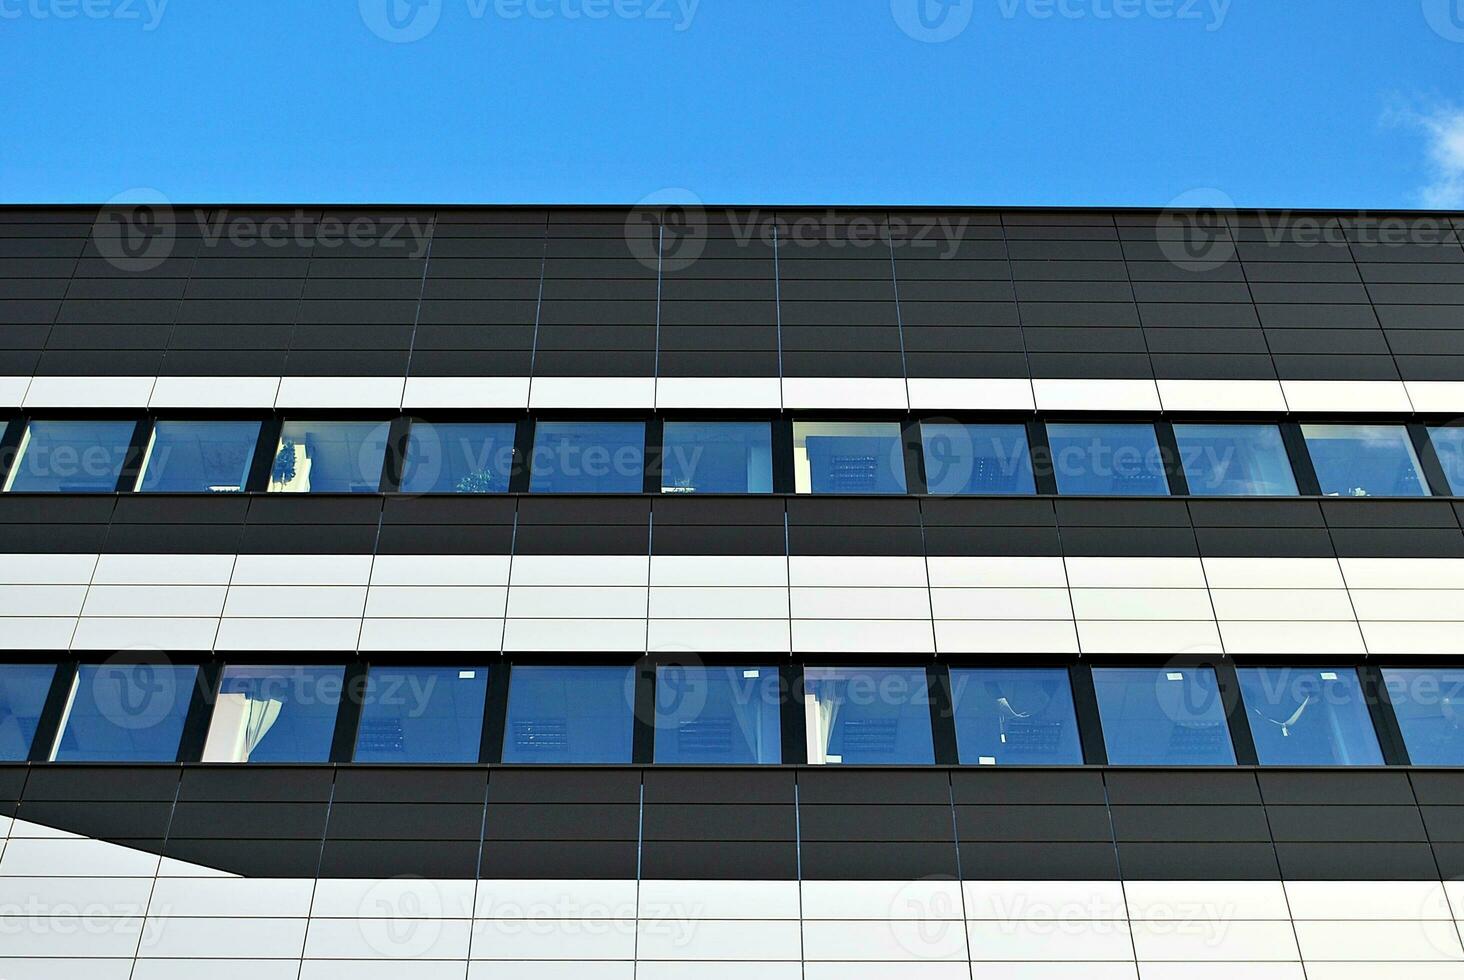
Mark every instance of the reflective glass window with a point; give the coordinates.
(1305, 716)
(198, 457)
(848, 457)
(126, 713)
(1015, 717)
(976, 459)
(868, 716)
(274, 714)
(717, 457)
(329, 457)
(1107, 458)
(718, 715)
(1429, 706)
(1365, 461)
(23, 691)
(569, 715)
(1235, 460)
(70, 457)
(458, 457)
(588, 457)
(1162, 716)
(422, 714)
(1448, 443)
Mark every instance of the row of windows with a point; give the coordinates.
(738, 715)
(737, 457)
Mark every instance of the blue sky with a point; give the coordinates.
(1297, 103)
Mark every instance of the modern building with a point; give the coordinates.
(754, 593)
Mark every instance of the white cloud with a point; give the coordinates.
(1445, 130)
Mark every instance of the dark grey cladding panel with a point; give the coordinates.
(740, 786)
(364, 784)
(1029, 822)
(251, 858)
(875, 822)
(1080, 283)
(1040, 861)
(1106, 542)
(741, 860)
(249, 784)
(1444, 824)
(1390, 514)
(1256, 513)
(1332, 823)
(109, 820)
(1373, 862)
(399, 821)
(562, 821)
(987, 787)
(102, 784)
(1299, 788)
(726, 822)
(12, 781)
(1159, 788)
(255, 820)
(1150, 861)
(1205, 822)
(881, 861)
(443, 860)
(903, 786)
(571, 859)
(1438, 788)
(564, 786)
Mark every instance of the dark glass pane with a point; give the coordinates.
(848, 457)
(1308, 717)
(71, 457)
(23, 690)
(588, 457)
(868, 716)
(717, 457)
(199, 457)
(1235, 461)
(126, 713)
(329, 457)
(1107, 459)
(1429, 706)
(1162, 716)
(422, 714)
(570, 715)
(1015, 717)
(458, 457)
(976, 459)
(1448, 443)
(718, 715)
(274, 714)
(1365, 461)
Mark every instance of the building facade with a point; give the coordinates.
(697, 592)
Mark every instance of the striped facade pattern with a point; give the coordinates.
(167, 872)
